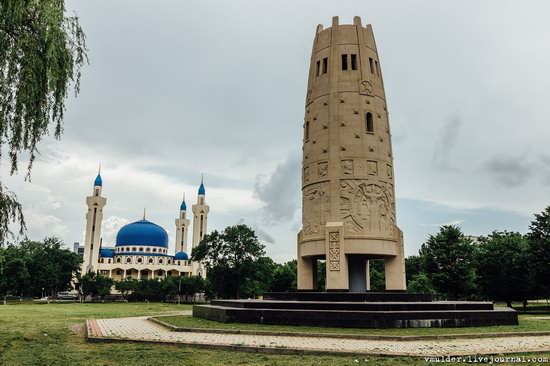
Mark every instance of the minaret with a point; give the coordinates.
(200, 217)
(182, 227)
(348, 199)
(94, 217)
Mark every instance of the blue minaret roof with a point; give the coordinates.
(98, 181)
(202, 191)
(183, 206)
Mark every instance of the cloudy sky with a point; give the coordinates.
(175, 89)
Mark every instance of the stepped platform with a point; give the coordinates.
(356, 310)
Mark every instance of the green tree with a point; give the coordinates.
(93, 284)
(196, 285)
(18, 280)
(321, 275)
(151, 289)
(261, 279)
(413, 267)
(377, 275)
(231, 259)
(503, 267)
(41, 55)
(32, 268)
(284, 277)
(125, 287)
(539, 253)
(420, 284)
(170, 287)
(448, 263)
(52, 266)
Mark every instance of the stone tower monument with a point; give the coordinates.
(348, 199)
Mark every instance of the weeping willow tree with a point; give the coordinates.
(42, 51)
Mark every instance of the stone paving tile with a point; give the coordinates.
(140, 329)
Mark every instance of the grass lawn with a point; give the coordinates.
(52, 334)
(527, 323)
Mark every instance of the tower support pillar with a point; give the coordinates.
(306, 270)
(394, 267)
(337, 276)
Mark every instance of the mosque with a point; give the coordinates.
(141, 249)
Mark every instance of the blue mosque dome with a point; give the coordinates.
(142, 232)
(183, 206)
(98, 181)
(106, 253)
(182, 256)
(202, 191)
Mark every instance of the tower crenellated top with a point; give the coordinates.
(336, 23)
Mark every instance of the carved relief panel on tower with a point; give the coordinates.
(347, 167)
(367, 207)
(372, 167)
(322, 169)
(316, 208)
(365, 88)
(334, 251)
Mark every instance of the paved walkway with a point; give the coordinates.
(141, 329)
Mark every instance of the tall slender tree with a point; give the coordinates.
(42, 51)
(502, 267)
(448, 263)
(539, 249)
(232, 258)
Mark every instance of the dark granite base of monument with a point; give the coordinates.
(356, 310)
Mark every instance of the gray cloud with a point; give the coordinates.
(509, 171)
(280, 192)
(158, 107)
(264, 235)
(445, 142)
(260, 233)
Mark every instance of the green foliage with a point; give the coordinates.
(41, 55)
(539, 253)
(30, 268)
(10, 211)
(377, 275)
(503, 267)
(150, 289)
(448, 263)
(413, 267)
(232, 259)
(126, 286)
(420, 284)
(165, 289)
(284, 277)
(261, 279)
(189, 286)
(93, 284)
(321, 275)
